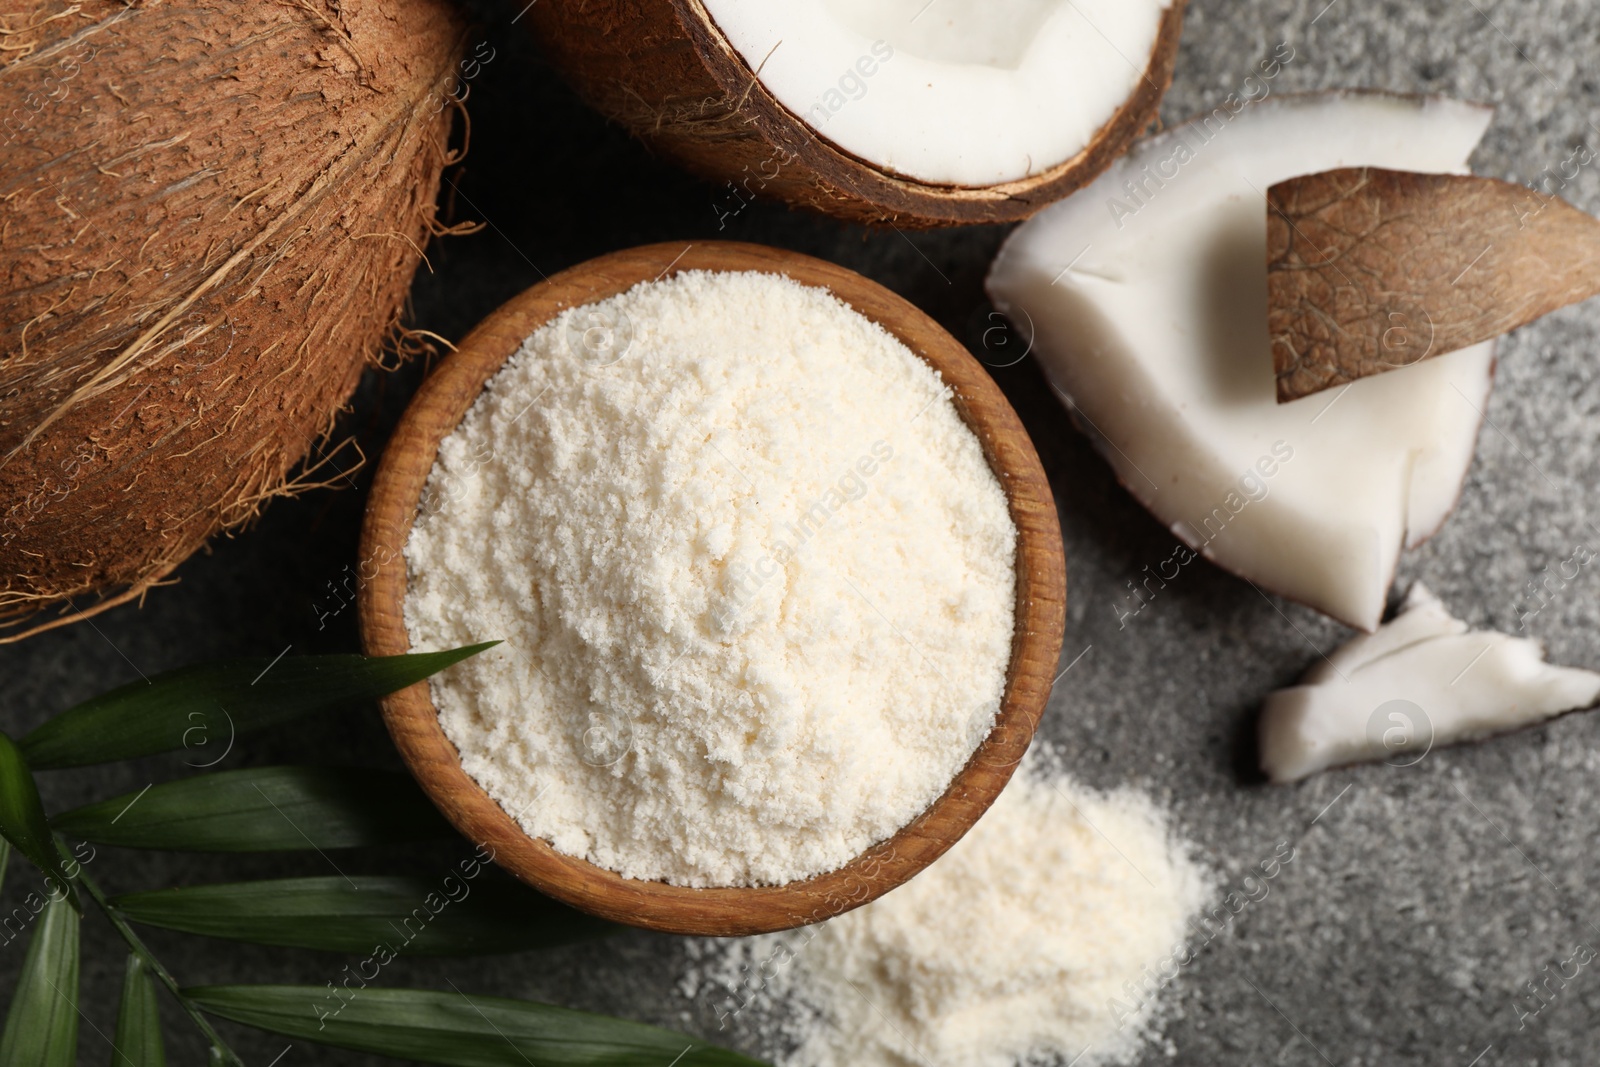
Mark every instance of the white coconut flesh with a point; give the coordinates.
(1421, 680)
(951, 92)
(1144, 295)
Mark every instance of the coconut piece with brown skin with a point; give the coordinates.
(1144, 298)
(209, 219)
(910, 112)
(1372, 270)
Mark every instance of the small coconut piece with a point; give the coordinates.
(913, 112)
(211, 216)
(1423, 679)
(1371, 270)
(1144, 296)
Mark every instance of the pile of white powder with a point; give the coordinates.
(1047, 934)
(754, 578)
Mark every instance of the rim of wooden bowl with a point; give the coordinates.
(413, 721)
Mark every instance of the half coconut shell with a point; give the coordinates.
(664, 70)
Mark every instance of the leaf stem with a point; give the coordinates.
(219, 1048)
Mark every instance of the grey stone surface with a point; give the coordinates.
(1420, 899)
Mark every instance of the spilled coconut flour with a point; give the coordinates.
(754, 577)
(1035, 939)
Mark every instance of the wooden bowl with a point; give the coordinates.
(414, 723)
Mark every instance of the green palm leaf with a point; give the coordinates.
(467, 911)
(457, 1031)
(22, 818)
(262, 809)
(138, 1040)
(204, 707)
(42, 1025)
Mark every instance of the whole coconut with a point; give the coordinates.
(210, 214)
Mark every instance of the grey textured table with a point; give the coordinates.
(1420, 900)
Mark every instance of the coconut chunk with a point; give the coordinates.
(958, 92)
(1145, 298)
(1422, 679)
(1422, 616)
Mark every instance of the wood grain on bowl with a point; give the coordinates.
(723, 911)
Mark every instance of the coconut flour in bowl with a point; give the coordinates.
(755, 580)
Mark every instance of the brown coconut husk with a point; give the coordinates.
(209, 220)
(1371, 270)
(663, 69)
